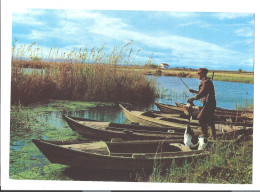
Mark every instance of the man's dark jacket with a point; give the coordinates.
(206, 88)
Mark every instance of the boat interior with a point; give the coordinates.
(127, 148)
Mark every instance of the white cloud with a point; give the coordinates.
(79, 28)
(245, 32)
(115, 28)
(27, 16)
(27, 20)
(76, 14)
(182, 14)
(82, 16)
(228, 15)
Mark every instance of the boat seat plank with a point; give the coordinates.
(97, 147)
(97, 125)
(224, 128)
(181, 146)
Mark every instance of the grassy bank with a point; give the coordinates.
(229, 163)
(68, 77)
(232, 76)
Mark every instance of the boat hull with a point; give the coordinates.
(77, 158)
(222, 128)
(107, 131)
(138, 117)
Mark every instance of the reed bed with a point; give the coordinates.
(85, 76)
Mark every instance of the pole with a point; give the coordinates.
(185, 84)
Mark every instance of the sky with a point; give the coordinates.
(215, 40)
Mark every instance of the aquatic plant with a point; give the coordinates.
(26, 161)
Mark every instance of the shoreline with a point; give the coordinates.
(231, 76)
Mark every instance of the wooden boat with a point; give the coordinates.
(116, 155)
(221, 116)
(157, 119)
(179, 106)
(219, 110)
(108, 130)
(152, 119)
(169, 108)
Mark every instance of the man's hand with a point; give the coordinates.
(190, 100)
(192, 91)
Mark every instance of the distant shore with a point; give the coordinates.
(232, 76)
(219, 75)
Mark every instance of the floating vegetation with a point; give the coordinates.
(26, 161)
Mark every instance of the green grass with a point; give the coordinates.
(227, 164)
(235, 79)
(233, 76)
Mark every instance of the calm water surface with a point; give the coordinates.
(229, 95)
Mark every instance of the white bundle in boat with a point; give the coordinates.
(188, 134)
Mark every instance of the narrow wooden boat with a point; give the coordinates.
(152, 119)
(178, 119)
(117, 155)
(223, 111)
(157, 119)
(108, 130)
(183, 119)
(236, 117)
(179, 106)
(166, 108)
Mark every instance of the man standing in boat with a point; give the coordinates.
(207, 95)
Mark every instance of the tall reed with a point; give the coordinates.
(70, 78)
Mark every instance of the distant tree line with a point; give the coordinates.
(150, 65)
(155, 66)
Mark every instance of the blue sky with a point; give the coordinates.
(216, 40)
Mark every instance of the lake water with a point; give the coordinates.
(229, 95)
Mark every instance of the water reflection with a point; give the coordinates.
(112, 114)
